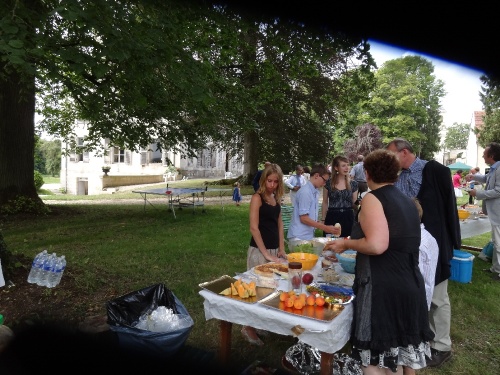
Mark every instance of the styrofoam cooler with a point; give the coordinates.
(461, 266)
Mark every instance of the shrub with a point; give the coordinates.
(38, 180)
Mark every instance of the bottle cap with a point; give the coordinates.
(295, 265)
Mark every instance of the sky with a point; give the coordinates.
(462, 84)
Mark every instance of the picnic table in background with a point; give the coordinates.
(182, 197)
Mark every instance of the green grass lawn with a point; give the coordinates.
(124, 248)
(48, 179)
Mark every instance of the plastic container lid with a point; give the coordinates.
(295, 265)
(461, 254)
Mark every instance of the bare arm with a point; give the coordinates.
(281, 228)
(324, 204)
(375, 228)
(306, 220)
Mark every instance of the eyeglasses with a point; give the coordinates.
(324, 179)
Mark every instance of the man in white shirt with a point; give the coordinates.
(295, 182)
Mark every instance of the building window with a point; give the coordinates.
(118, 155)
(78, 154)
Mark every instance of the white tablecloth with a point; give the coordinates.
(327, 336)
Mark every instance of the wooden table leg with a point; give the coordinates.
(225, 342)
(326, 365)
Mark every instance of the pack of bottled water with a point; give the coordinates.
(47, 269)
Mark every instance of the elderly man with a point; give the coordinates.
(295, 182)
(431, 183)
(490, 196)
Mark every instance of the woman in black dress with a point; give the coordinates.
(390, 328)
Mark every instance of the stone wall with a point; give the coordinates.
(114, 181)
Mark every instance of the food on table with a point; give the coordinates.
(296, 282)
(298, 304)
(331, 276)
(283, 296)
(331, 294)
(290, 299)
(307, 278)
(304, 248)
(319, 301)
(268, 269)
(234, 291)
(326, 263)
(241, 289)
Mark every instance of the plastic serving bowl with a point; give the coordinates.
(347, 262)
(308, 260)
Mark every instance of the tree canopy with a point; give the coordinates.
(457, 136)
(490, 97)
(183, 75)
(406, 103)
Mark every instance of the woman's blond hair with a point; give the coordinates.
(269, 170)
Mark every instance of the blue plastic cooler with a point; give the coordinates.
(461, 266)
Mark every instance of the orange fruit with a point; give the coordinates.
(289, 302)
(303, 297)
(291, 293)
(298, 304)
(283, 296)
(311, 300)
(320, 301)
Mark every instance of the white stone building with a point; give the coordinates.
(82, 172)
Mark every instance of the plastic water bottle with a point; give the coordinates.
(55, 277)
(48, 268)
(36, 267)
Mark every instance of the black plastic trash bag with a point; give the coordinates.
(124, 313)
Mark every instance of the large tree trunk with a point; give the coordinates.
(250, 78)
(250, 160)
(17, 137)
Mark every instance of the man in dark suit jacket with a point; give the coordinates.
(431, 183)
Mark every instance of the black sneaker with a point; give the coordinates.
(438, 358)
